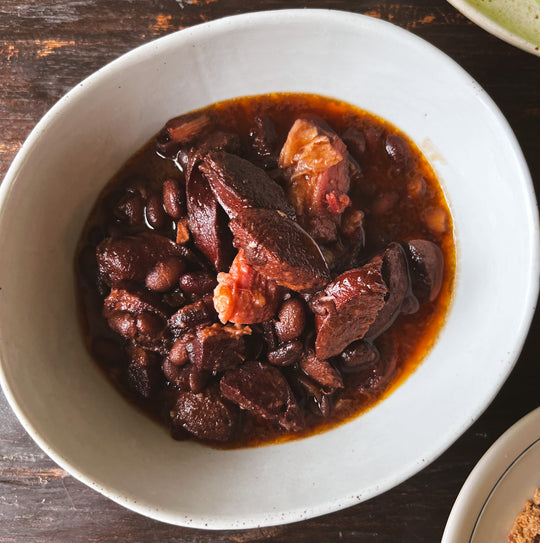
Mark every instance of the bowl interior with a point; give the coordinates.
(77, 417)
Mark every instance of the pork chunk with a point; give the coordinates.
(316, 165)
(261, 389)
(239, 184)
(217, 347)
(244, 296)
(347, 307)
(131, 258)
(207, 221)
(206, 415)
(280, 249)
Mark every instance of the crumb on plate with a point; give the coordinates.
(526, 527)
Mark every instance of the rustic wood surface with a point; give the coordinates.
(46, 48)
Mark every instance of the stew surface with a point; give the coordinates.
(266, 268)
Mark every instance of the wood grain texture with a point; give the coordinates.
(48, 47)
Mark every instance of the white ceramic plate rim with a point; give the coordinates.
(494, 28)
(399, 475)
(483, 481)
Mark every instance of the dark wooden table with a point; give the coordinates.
(46, 48)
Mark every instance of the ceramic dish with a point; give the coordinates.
(514, 21)
(68, 406)
(498, 487)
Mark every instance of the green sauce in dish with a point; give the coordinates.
(520, 17)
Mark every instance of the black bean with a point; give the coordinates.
(198, 378)
(359, 354)
(178, 354)
(149, 325)
(155, 213)
(130, 209)
(398, 150)
(286, 354)
(123, 323)
(291, 320)
(355, 141)
(198, 282)
(325, 406)
(176, 298)
(178, 376)
(174, 199)
(165, 275)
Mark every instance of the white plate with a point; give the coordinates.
(514, 21)
(498, 487)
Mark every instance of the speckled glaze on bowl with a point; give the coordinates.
(77, 417)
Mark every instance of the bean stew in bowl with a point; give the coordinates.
(266, 268)
(287, 248)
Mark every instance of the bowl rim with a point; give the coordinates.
(215, 27)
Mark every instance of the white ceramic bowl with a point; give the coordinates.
(70, 409)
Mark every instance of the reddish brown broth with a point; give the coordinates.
(398, 206)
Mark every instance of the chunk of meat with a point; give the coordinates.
(138, 316)
(426, 263)
(244, 296)
(396, 276)
(280, 249)
(187, 128)
(143, 372)
(206, 415)
(132, 301)
(183, 130)
(321, 371)
(131, 258)
(207, 221)
(347, 307)
(239, 184)
(217, 347)
(263, 390)
(316, 164)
